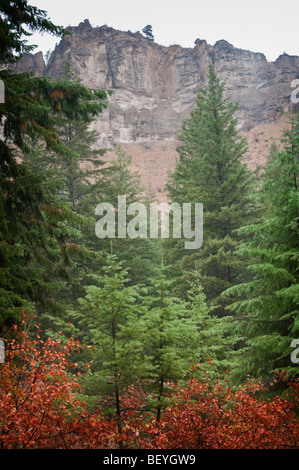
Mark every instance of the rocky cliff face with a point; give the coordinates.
(31, 63)
(155, 89)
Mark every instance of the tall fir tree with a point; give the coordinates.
(267, 307)
(74, 174)
(181, 340)
(34, 229)
(211, 171)
(140, 255)
(18, 20)
(82, 167)
(112, 323)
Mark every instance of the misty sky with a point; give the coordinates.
(270, 27)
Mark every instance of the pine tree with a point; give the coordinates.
(141, 255)
(81, 168)
(268, 305)
(211, 171)
(180, 339)
(17, 21)
(148, 32)
(75, 173)
(34, 228)
(112, 322)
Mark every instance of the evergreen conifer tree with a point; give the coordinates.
(148, 32)
(268, 305)
(34, 228)
(140, 255)
(112, 322)
(211, 171)
(180, 340)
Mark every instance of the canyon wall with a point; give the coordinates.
(154, 90)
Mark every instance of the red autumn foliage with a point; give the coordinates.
(39, 409)
(205, 416)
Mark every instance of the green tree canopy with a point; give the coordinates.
(211, 171)
(34, 227)
(148, 32)
(268, 305)
(18, 20)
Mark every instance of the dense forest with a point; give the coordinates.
(140, 342)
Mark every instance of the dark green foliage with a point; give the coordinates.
(180, 339)
(267, 312)
(35, 226)
(112, 325)
(112, 321)
(148, 32)
(232, 304)
(211, 171)
(18, 20)
(141, 256)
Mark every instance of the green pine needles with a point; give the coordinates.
(268, 305)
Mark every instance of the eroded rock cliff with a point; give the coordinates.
(155, 89)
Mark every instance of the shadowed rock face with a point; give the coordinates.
(155, 86)
(31, 63)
